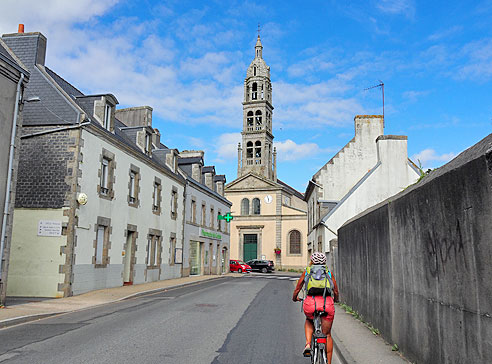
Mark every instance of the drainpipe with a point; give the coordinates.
(18, 97)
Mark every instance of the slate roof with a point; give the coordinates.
(220, 177)
(66, 86)
(208, 169)
(189, 160)
(53, 108)
(7, 57)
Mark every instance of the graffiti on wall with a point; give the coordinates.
(445, 250)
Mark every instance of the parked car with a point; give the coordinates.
(263, 266)
(239, 266)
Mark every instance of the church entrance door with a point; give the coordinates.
(250, 247)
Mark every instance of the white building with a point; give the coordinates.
(96, 205)
(206, 237)
(369, 169)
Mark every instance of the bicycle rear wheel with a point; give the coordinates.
(321, 357)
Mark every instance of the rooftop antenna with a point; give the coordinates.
(381, 84)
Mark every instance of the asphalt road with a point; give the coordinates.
(231, 320)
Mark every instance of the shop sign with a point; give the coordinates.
(210, 234)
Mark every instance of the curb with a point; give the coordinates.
(23, 319)
(341, 350)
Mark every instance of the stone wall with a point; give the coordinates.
(43, 168)
(418, 266)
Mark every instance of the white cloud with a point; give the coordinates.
(478, 65)
(412, 96)
(405, 7)
(445, 33)
(429, 158)
(49, 14)
(226, 146)
(289, 150)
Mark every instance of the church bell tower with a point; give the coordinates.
(257, 154)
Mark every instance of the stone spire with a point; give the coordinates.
(257, 139)
(258, 48)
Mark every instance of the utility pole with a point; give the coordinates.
(381, 84)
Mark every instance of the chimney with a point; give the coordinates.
(156, 138)
(368, 128)
(196, 166)
(135, 116)
(30, 48)
(196, 172)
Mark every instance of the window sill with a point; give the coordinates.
(107, 196)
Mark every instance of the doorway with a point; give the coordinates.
(250, 246)
(129, 258)
(195, 258)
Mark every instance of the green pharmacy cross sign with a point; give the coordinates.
(227, 217)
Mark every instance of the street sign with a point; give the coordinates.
(227, 217)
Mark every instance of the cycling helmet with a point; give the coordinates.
(318, 258)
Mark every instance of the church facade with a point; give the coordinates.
(270, 217)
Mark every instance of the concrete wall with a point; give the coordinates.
(418, 266)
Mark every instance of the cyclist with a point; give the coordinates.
(321, 303)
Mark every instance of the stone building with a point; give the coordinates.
(206, 247)
(13, 80)
(95, 206)
(269, 216)
(369, 169)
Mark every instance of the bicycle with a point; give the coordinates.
(318, 342)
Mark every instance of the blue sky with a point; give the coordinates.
(188, 60)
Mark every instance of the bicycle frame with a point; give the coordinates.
(318, 342)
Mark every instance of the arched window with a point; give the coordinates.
(258, 118)
(250, 118)
(256, 206)
(295, 242)
(257, 149)
(262, 94)
(249, 150)
(254, 95)
(244, 206)
(254, 73)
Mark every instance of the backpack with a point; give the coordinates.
(318, 281)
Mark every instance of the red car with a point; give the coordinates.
(239, 266)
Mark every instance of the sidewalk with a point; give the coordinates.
(19, 313)
(355, 343)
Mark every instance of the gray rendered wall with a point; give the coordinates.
(8, 90)
(418, 266)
